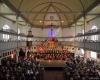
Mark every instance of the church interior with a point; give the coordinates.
(49, 40)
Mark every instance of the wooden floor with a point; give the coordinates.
(53, 69)
(53, 75)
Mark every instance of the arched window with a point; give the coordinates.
(5, 28)
(94, 37)
(94, 27)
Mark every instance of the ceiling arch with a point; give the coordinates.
(35, 11)
(51, 4)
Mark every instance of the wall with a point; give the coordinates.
(64, 32)
(11, 44)
(23, 29)
(95, 22)
(89, 25)
(58, 32)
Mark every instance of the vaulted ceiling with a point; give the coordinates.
(43, 13)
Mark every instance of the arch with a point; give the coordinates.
(58, 15)
(39, 11)
(46, 12)
(5, 28)
(94, 27)
(83, 6)
(52, 3)
(63, 14)
(83, 9)
(20, 4)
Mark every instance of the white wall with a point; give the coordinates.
(12, 25)
(79, 29)
(37, 31)
(44, 32)
(95, 22)
(67, 31)
(59, 32)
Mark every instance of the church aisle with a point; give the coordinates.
(53, 75)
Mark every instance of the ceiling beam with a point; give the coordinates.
(3, 13)
(55, 26)
(6, 18)
(19, 13)
(97, 2)
(93, 14)
(11, 20)
(41, 20)
(61, 12)
(93, 18)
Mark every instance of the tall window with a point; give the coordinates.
(82, 31)
(93, 55)
(5, 28)
(82, 51)
(94, 37)
(18, 33)
(83, 36)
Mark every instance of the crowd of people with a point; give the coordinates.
(78, 69)
(51, 56)
(27, 69)
(30, 69)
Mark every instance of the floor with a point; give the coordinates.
(53, 75)
(53, 69)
